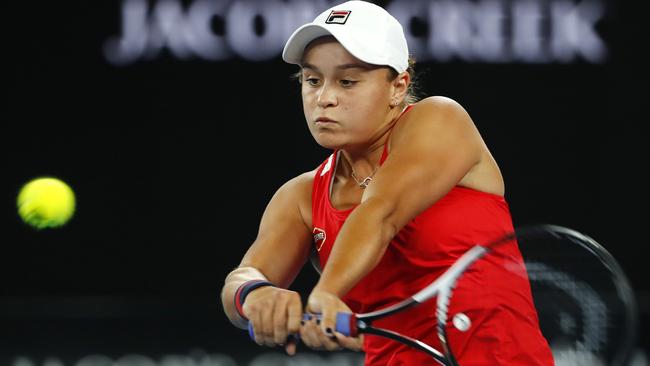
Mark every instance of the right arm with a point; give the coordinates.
(277, 255)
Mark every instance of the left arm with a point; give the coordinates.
(435, 147)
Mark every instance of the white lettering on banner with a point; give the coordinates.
(255, 29)
(528, 36)
(131, 46)
(528, 31)
(203, 41)
(573, 31)
(184, 34)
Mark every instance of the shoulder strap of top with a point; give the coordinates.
(384, 154)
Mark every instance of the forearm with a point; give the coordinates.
(359, 247)
(235, 279)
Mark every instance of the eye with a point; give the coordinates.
(312, 81)
(347, 83)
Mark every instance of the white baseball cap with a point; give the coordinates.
(366, 30)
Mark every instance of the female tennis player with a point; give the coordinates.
(408, 188)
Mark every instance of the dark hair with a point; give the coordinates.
(412, 94)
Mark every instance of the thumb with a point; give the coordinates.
(327, 307)
(314, 306)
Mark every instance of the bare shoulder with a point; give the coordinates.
(440, 109)
(438, 101)
(440, 125)
(300, 184)
(436, 115)
(297, 191)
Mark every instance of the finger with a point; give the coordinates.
(309, 334)
(328, 321)
(290, 348)
(256, 319)
(280, 322)
(295, 314)
(352, 343)
(267, 325)
(329, 341)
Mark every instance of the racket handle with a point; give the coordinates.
(346, 324)
(295, 337)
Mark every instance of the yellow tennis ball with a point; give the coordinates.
(46, 203)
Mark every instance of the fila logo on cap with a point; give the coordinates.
(338, 17)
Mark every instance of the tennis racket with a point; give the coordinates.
(584, 302)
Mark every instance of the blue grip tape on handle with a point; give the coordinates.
(250, 331)
(305, 317)
(343, 323)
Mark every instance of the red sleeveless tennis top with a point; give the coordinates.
(504, 327)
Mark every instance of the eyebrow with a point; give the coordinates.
(340, 67)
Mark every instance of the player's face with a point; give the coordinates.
(346, 101)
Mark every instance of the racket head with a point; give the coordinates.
(583, 301)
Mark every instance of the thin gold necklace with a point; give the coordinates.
(364, 183)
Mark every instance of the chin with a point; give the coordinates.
(330, 146)
(327, 141)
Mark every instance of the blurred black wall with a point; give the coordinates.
(173, 161)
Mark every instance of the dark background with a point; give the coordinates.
(173, 162)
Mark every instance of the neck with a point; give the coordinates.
(365, 161)
(360, 167)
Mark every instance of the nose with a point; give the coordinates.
(327, 96)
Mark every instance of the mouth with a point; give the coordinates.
(324, 120)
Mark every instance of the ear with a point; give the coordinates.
(400, 87)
